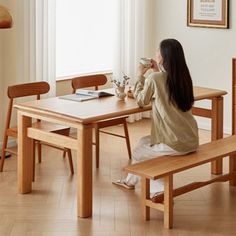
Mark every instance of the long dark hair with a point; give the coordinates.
(179, 83)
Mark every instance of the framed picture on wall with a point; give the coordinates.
(208, 13)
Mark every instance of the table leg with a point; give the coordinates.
(25, 154)
(217, 130)
(232, 168)
(84, 177)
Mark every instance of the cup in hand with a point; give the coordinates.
(146, 62)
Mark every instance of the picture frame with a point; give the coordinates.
(208, 13)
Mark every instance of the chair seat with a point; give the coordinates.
(55, 128)
(12, 132)
(110, 122)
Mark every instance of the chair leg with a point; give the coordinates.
(33, 173)
(127, 139)
(97, 144)
(4, 146)
(39, 147)
(70, 160)
(64, 153)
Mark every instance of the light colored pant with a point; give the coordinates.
(143, 151)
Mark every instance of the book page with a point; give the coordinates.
(93, 93)
(77, 97)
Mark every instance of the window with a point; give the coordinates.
(85, 34)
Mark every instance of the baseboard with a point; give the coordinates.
(207, 126)
(11, 143)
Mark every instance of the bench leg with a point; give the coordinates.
(232, 168)
(145, 195)
(168, 202)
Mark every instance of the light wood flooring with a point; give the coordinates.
(51, 208)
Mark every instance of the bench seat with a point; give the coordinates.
(166, 166)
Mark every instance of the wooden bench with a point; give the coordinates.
(166, 166)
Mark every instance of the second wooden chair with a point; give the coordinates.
(95, 81)
(25, 90)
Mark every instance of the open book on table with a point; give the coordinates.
(83, 95)
(93, 93)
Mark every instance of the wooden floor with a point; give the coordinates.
(51, 208)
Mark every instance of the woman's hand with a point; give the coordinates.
(154, 66)
(142, 69)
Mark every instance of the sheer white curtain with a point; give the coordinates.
(36, 42)
(36, 38)
(135, 39)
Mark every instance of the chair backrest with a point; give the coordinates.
(88, 81)
(24, 90)
(29, 89)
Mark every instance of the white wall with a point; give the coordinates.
(7, 61)
(208, 51)
(1, 85)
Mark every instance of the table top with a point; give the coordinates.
(201, 93)
(98, 109)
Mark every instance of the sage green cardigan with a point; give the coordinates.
(169, 125)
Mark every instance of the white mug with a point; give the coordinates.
(146, 62)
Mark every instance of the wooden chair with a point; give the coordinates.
(95, 81)
(24, 90)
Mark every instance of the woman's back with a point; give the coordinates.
(170, 125)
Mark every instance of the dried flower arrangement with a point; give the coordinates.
(121, 83)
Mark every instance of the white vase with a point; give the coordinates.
(120, 92)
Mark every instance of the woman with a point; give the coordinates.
(174, 130)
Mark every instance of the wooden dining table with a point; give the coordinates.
(81, 116)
